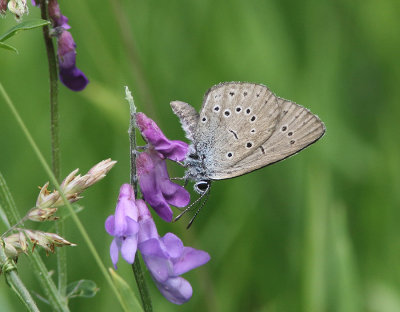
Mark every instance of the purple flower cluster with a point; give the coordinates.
(133, 226)
(157, 189)
(166, 257)
(70, 75)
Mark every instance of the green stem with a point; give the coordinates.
(35, 262)
(53, 179)
(12, 278)
(136, 267)
(55, 142)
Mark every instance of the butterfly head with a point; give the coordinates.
(201, 187)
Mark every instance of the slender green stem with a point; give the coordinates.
(136, 267)
(69, 206)
(52, 61)
(55, 142)
(12, 278)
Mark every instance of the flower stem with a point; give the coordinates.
(55, 143)
(10, 273)
(136, 267)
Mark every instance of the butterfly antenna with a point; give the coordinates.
(192, 204)
(188, 208)
(207, 194)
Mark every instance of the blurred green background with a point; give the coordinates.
(317, 232)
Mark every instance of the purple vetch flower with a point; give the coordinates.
(58, 20)
(157, 189)
(71, 76)
(123, 226)
(167, 259)
(171, 149)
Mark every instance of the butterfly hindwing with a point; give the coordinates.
(297, 129)
(187, 115)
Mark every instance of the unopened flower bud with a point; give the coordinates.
(99, 171)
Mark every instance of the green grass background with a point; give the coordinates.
(317, 232)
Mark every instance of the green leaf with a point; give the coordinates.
(82, 288)
(129, 298)
(26, 25)
(8, 47)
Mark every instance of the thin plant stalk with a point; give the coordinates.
(55, 142)
(136, 267)
(53, 179)
(12, 278)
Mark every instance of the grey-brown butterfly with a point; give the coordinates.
(242, 127)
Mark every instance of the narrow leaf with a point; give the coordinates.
(8, 47)
(129, 298)
(26, 25)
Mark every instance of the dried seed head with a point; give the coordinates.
(42, 214)
(47, 198)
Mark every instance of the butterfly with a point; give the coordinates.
(242, 127)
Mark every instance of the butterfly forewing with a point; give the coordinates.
(234, 120)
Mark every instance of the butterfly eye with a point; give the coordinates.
(202, 186)
(284, 128)
(290, 133)
(253, 130)
(229, 155)
(253, 118)
(249, 144)
(204, 119)
(238, 109)
(248, 111)
(216, 108)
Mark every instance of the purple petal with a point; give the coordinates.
(114, 252)
(174, 150)
(176, 290)
(73, 78)
(173, 245)
(174, 194)
(147, 230)
(147, 227)
(110, 222)
(58, 19)
(70, 75)
(190, 259)
(128, 249)
(159, 268)
(149, 180)
(153, 248)
(132, 227)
